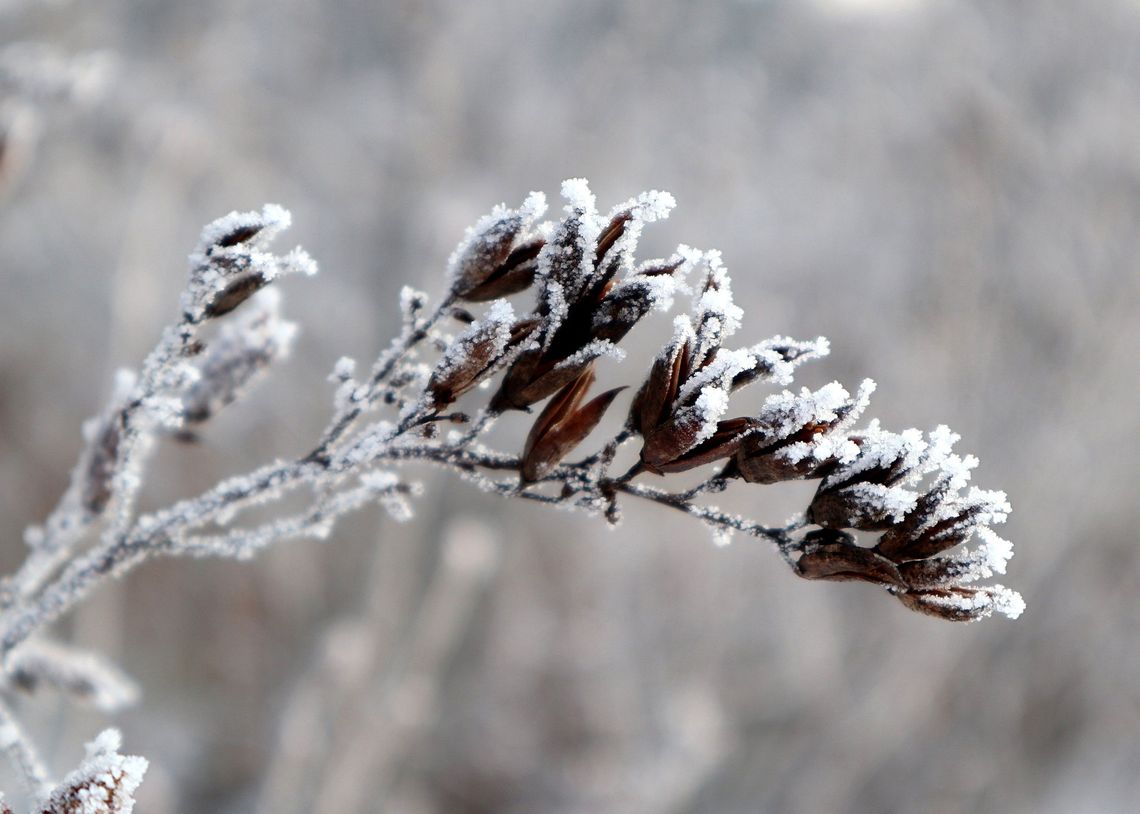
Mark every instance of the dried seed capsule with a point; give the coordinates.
(562, 425)
(841, 561)
(475, 354)
(492, 259)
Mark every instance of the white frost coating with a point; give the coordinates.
(246, 346)
(772, 356)
(658, 291)
(125, 381)
(996, 505)
(715, 313)
(534, 207)
(722, 536)
(998, 551)
(578, 196)
(481, 343)
(1007, 601)
(784, 414)
(648, 207)
(861, 402)
(727, 365)
(881, 449)
(380, 480)
(297, 260)
(499, 221)
(271, 220)
(107, 741)
(595, 349)
(411, 300)
(710, 405)
(566, 262)
(104, 783)
(682, 330)
(878, 501)
(343, 370)
(500, 313)
(554, 296)
(214, 267)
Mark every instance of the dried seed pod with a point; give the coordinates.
(566, 262)
(562, 425)
(497, 255)
(862, 493)
(679, 411)
(230, 263)
(242, 351)
(940, 521)
(476, 353)
(864, 506)
(938, 572)
(690, 430)
(513, 275)
(629, 301)
(105, 783)
(964, 604)
(655, 398)
(723, 443)
(846, 561)
(484, 252)
(585, 312)
(537, 378)
(237, 291)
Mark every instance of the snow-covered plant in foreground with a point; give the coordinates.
(934, 545)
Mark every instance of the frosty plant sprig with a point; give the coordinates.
(576, 289)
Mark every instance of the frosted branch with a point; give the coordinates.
(425, 401)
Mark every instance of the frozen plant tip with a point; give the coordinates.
(579, 290)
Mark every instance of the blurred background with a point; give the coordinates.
(950, 191)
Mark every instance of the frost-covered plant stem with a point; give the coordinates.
(590, 292)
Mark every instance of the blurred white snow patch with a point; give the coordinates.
(471, 546)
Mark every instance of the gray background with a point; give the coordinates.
(949, 191)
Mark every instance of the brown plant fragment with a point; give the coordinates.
(842, 561)
(514, 274)
(757, 461)
(723, 444)
(240, 234)
(98, 485)
(449, 382)
(954, 604)
(562, 425)
(234, 294)
(913, 539)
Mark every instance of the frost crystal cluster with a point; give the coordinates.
(577, 289)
